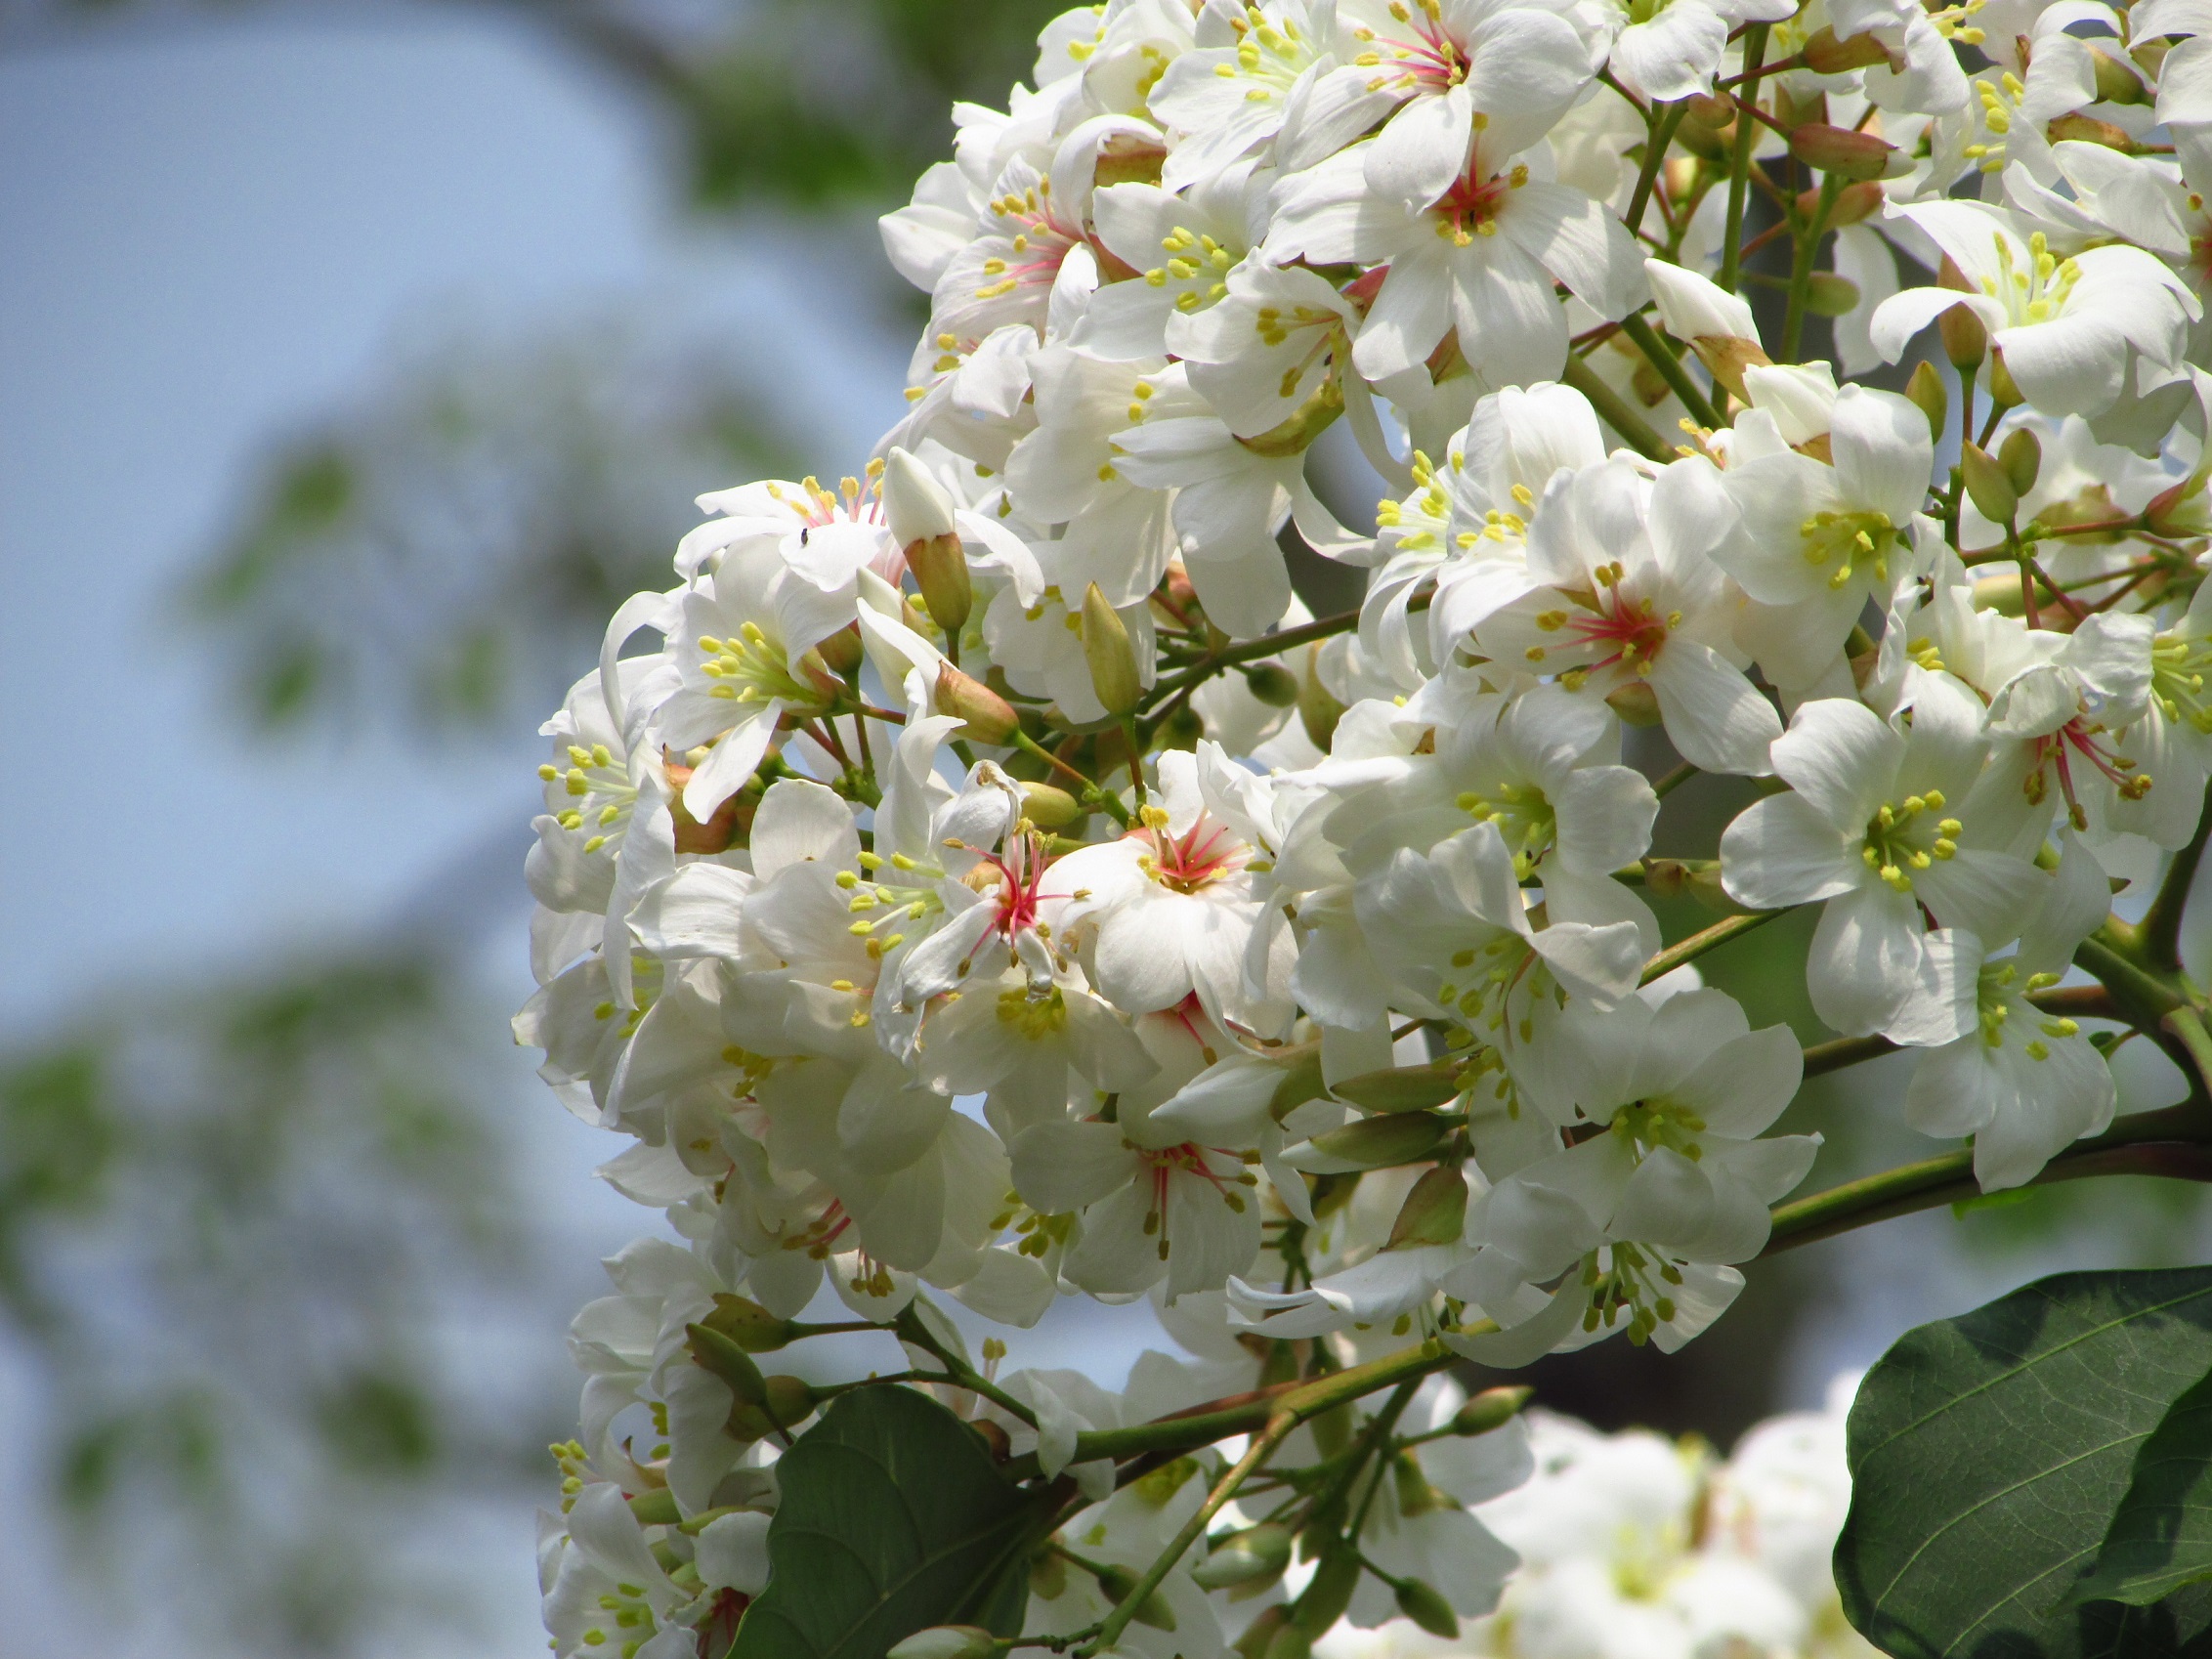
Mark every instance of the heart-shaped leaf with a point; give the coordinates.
(1989, 1454)
(892, 1518)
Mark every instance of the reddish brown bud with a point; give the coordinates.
(1825, 54)
(1839, 150)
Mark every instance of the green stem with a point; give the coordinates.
(2140, 994)
(1658, 136)
(2161, 931)
(1378, 1450)
(1613, 409)
(1739, 164)
(1834, 1056)
(1671, 370)
(2188, 1029)
(1266, 645)
(1698, 944)
(1262, 1448)
(1675, 779)
(1801, 265)
(2168, 1142)
(911, 1331)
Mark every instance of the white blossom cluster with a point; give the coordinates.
(1638, 1547)
(959, 895)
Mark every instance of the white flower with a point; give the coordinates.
(1479, 260)
(2064, 326)
(2022, 1084)
(1818, 538)
(1880, 822)
(1630, 596)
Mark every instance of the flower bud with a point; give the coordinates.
(2117, 82)
(914, 503)
(1491, 1409)
(1841, 151)
(1989, 485)
(1926, 389)
(1327, 1594)
(2003, 392)
(940, 570)
(946, 1642)
(1271, 684)
(1182, 728)
(1263, 1631)
(2022, 456)
(1049, 808)
(717, 1354)
(1965, 342)
(1118, 1584)
(1318, 707)
(1435, 1211)
(1854, 202)
(1710, 111)
(1427, 1609)
(1400, 1088)
(747, 1324)
(1254, 1552)
(990, 718)
(1106, 647)
(1635, 702)
(1830, 295)
(2078, 128)
(841, 651)
(2180, 511)
(785, 1402)
(1372, 1143)
(1289, 1643)
(1825, 54)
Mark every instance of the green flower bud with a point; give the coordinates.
(946, 1642)
(1493, 1408)
(1427, 1609)
(2022, 456)
(1830, 295)
(714, 1353)
(1254, 1552)
(747, 1324)
(1926, 389)
(1435, 1211)
(1118, 1584)
(1841, 151)
(1271, 683)
(1327, 1594)
(1373, 1143)
(1048, 808)
(1400, 1088)
(990, 718)
(1106, 649)
(1988, 485)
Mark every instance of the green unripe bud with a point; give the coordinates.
(1261, 1632)
(1493, 1408)
(1107, 649)
(1118, 1584)
(1926, 390)
(2003, 392)
(785, 1401)
(1400, 1088)
(1635, 702)
(940, 570)
(947, 1641)
(1049, 808)
(1181, 729)
(1966, 341)
(1373, 1143)
(1254, 1552)
(1327, 1594)
(714, 1353)
(2117, 82)
(1271, 683)
(1988, 485)
(1318, 708)
(747, 1324)
(1435, 1211)
(1427, 1609)
(2021, 454)
(1830, 295)
(1289, 1643)
(990, 718)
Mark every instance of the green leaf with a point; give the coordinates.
(2161, 1538)
(893, 1519)
(1989, 1454)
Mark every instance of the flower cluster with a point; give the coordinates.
(1637, 1547)
(983, 882)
